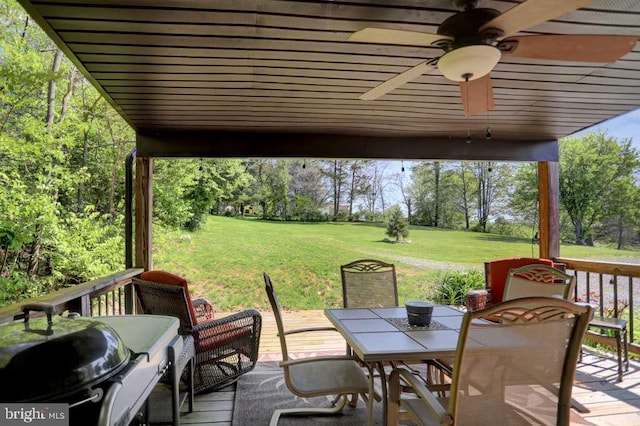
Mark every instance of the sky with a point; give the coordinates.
(626, 126)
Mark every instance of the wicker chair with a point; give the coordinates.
(316, 376)
(516, 371)
(225, 348)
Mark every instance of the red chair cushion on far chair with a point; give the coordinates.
(163, 277)
(499, 271)
(219, 336)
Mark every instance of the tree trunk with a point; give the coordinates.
(352, 192)
(337, 171)
(67, 96)
(34, 258)
(51, 90)
(83, 164)
(465, 197)
(579, 230)
(436, 213)
(4, 261)
(620, 229)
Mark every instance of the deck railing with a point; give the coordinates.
(110, 295)
(613, 288)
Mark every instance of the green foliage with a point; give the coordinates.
(397, 225)
(186, 190)
(597, 173)
(452, 288)
(62, 180)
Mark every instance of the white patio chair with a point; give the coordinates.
(518, 371)
(317, 376)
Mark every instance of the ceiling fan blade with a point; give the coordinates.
(477, 95)
(578, 48)
(384, 36)
(530, 13)
(397, 81)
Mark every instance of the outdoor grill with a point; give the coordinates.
(104, 367)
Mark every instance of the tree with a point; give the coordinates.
(406, 193)
(434, 195)
(397, 225)
(595, 173)
(462, 187)
(336, 174)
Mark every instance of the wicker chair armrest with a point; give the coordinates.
(233, 318)
(423, 392)
(230, 344)
(203, 310)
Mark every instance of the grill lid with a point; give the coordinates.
(49, 358)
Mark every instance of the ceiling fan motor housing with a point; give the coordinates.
(464, 28)
(470, 53)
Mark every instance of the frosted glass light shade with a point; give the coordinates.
(473, 61)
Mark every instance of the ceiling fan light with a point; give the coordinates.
(469, 62)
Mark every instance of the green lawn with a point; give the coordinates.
(225, 260)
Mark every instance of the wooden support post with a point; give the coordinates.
(144, 212)
(549, 209)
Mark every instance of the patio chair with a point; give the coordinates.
(369, 283)
(538, 280)
(516, 371)
(496, 273)
(317, 376)
(225, 348)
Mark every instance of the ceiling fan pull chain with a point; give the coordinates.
(487, 132)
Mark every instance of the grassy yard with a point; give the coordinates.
(225, 260)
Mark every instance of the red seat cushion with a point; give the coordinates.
(163, 277)
(220, 336)
(499, 271)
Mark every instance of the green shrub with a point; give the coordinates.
(453, 287)
(397, 226)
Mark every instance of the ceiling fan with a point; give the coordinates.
(475, 39)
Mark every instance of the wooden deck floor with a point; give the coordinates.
(609, 403)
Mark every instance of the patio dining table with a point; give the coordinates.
(379, 335)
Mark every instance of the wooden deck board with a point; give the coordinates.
(610, 403)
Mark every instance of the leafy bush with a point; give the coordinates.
(313, 216)
(370, 216)
(453, 287)
(342, 216)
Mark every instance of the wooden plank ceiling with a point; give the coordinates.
(287, 66)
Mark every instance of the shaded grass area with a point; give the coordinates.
(225, 260)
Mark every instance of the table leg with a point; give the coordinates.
(385, 396)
